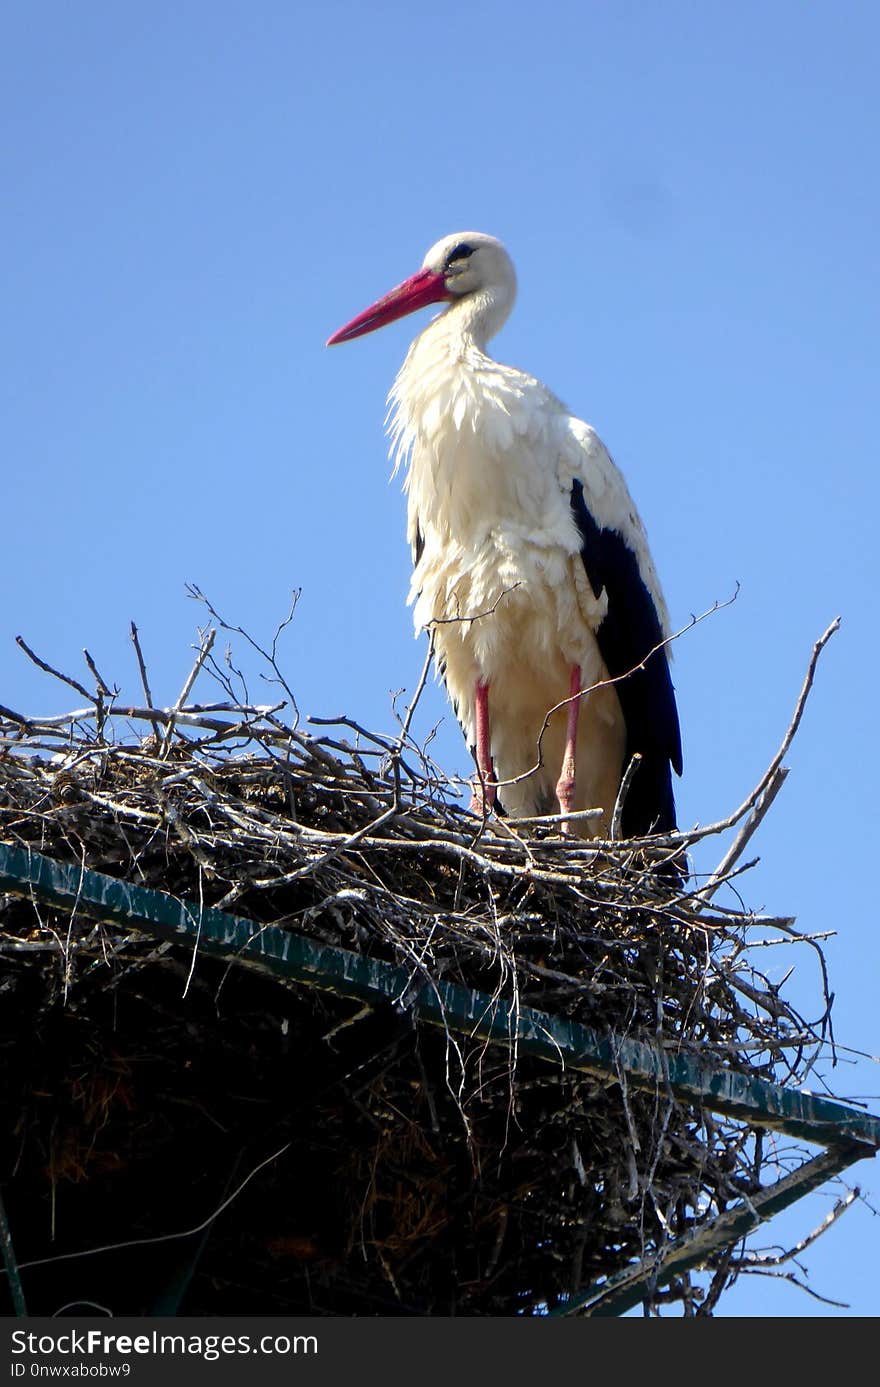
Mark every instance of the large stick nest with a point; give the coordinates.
(423, 1172)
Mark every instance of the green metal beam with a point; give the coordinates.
(805, 1116)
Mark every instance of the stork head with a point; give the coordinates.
(467, 267)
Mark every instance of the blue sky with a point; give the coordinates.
(199, 193)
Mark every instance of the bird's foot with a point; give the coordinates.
(565, 793)
(483, 793)
(567, 783)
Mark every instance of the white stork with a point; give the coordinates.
(532, 567)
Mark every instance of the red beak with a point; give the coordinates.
(422, 288)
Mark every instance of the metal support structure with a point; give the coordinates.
(848, 1133)
(627, 1288)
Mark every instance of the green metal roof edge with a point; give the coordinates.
(806, 1116)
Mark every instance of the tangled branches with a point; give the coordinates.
(443, 1175)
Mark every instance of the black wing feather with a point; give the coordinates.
(630, 630)
(418, 547)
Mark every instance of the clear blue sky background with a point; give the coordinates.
(196, 194)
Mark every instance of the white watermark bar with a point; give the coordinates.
(410, 1351)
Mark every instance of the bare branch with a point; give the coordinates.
(162, 1237)
(626, 781)
(270, 656)
(145, 683)
(769, 775)
(50, 669)
(100, 683)
(609, 682)
(204, 651)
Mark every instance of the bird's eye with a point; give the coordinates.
(460, 252)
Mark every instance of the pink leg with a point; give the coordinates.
(483, 793)
(565, 788)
